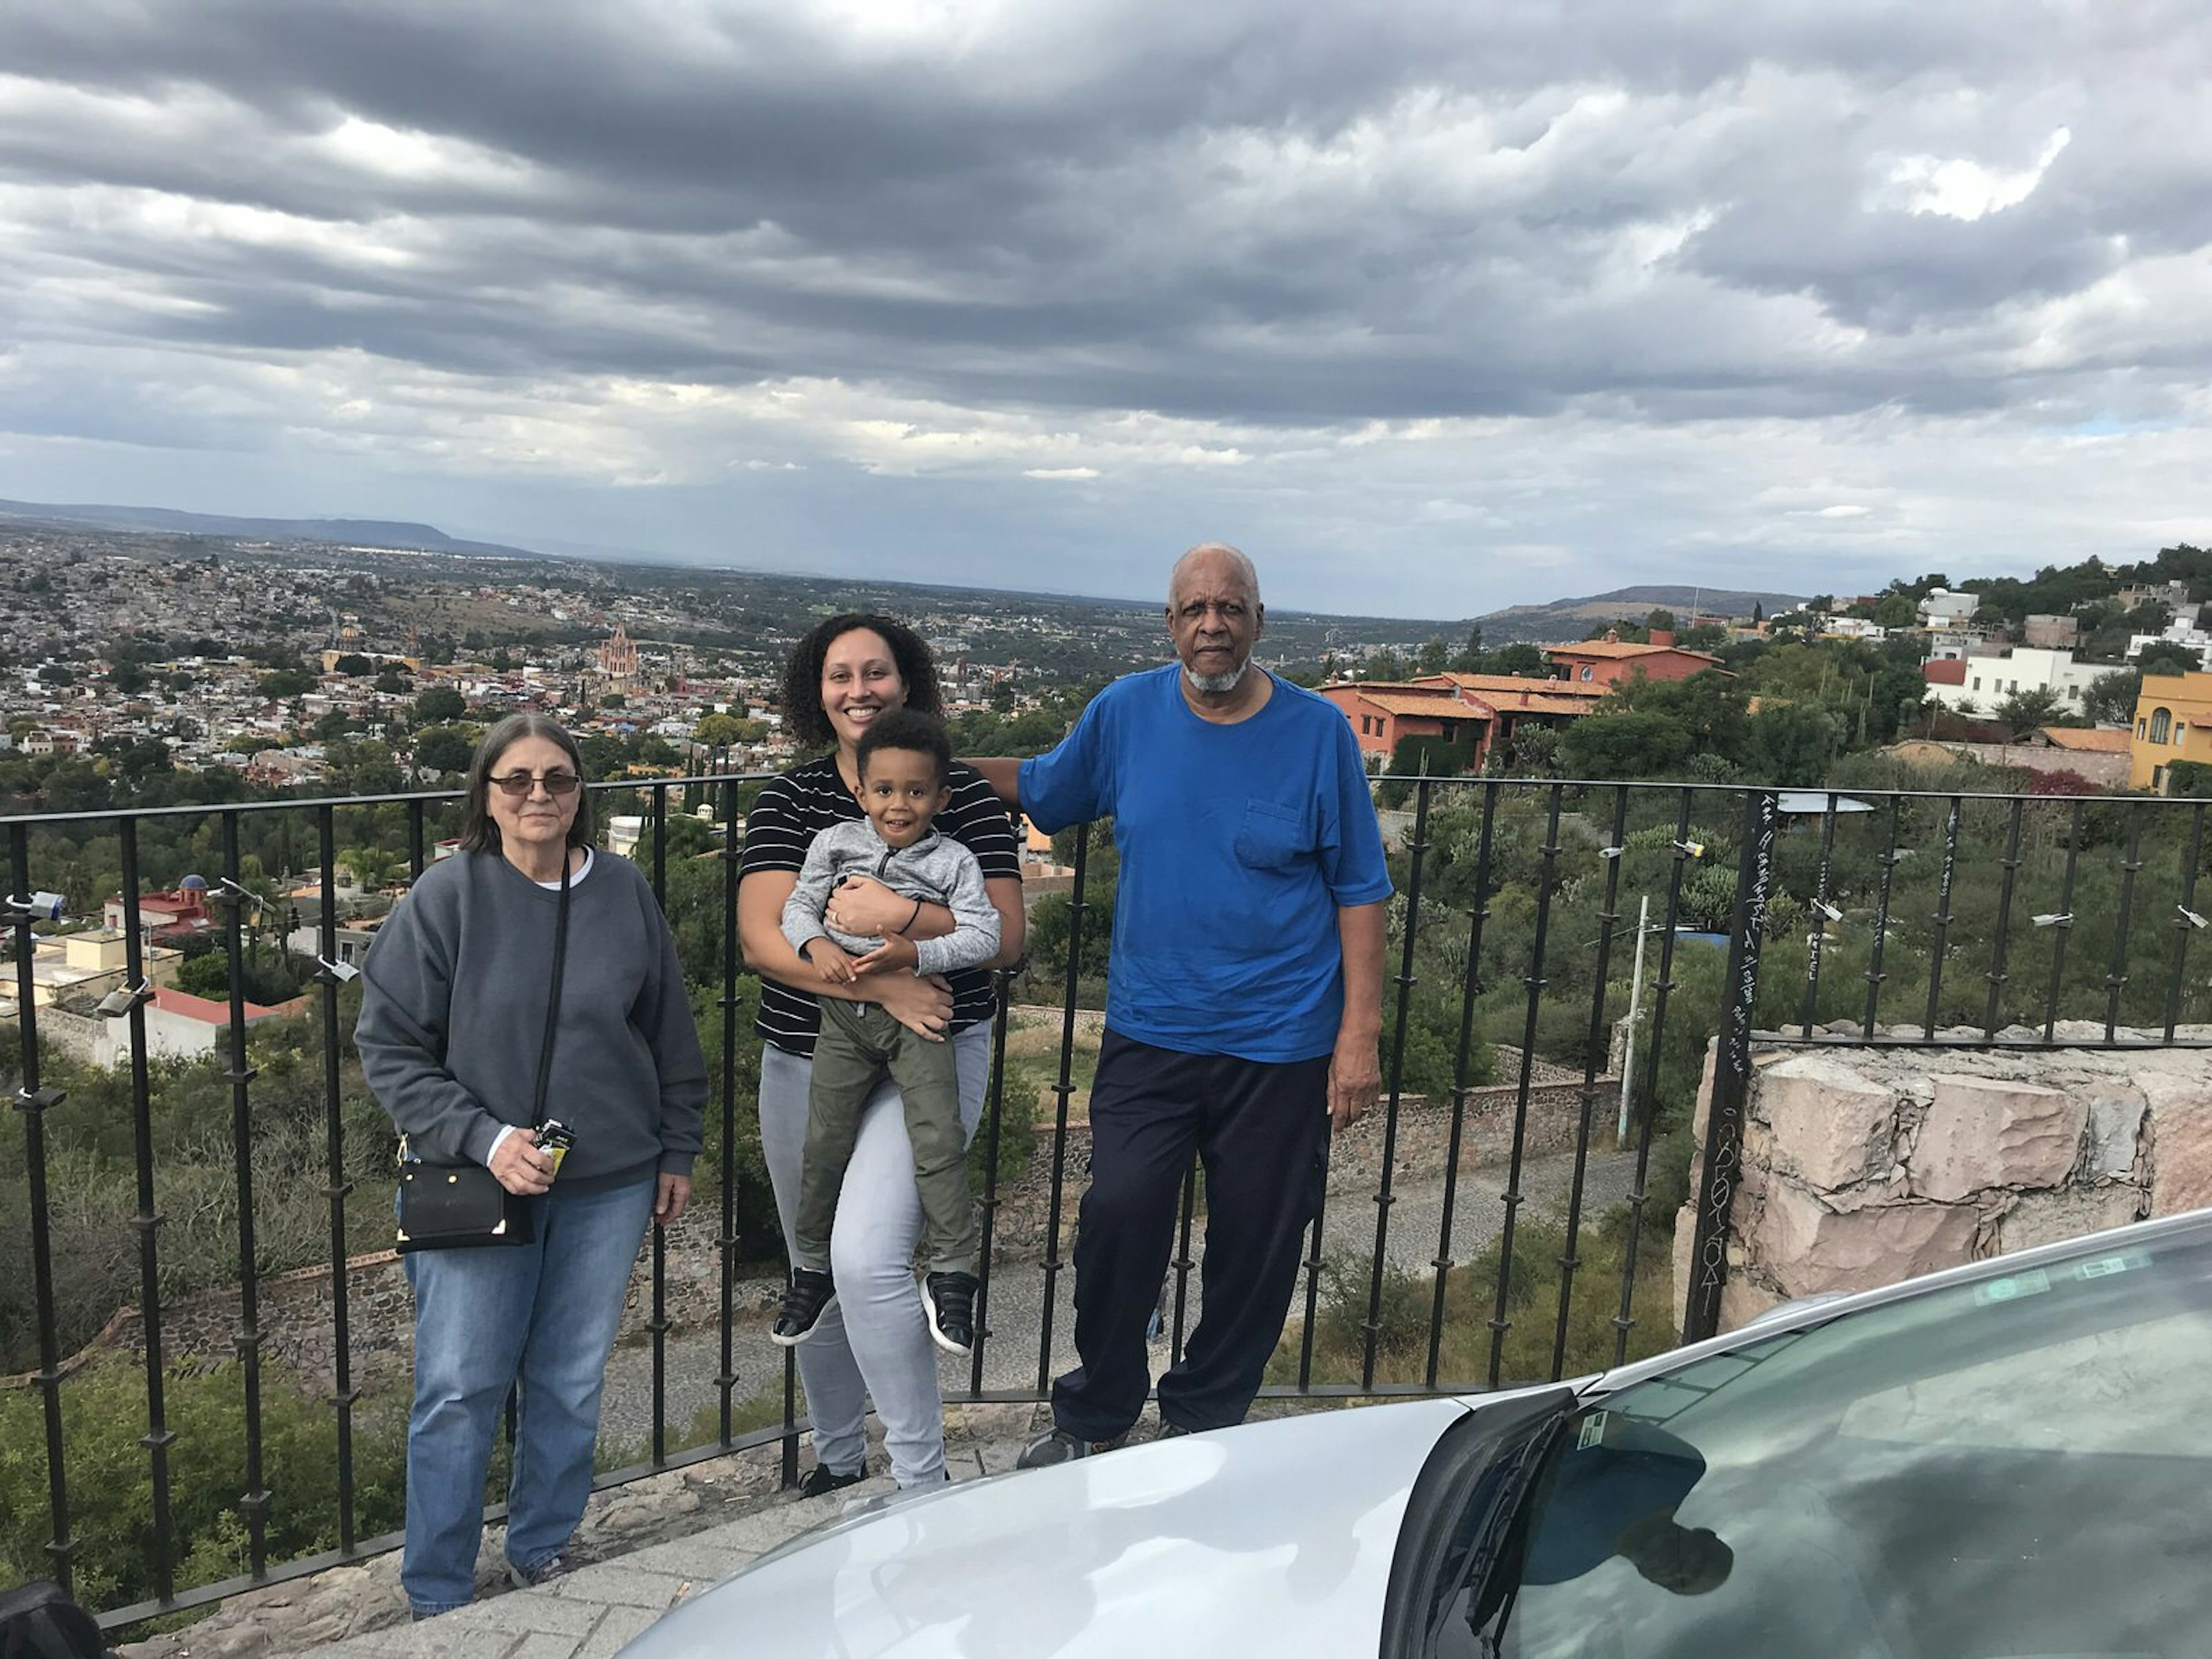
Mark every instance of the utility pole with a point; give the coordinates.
(1635, 997)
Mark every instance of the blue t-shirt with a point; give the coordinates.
(1238, 845)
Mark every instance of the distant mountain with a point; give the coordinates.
(1570, 619)
(342, 533)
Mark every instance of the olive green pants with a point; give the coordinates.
(858, 1042)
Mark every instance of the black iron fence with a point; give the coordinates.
(1564, 956)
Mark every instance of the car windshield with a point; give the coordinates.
(2009, 1466)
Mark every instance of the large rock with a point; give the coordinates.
(1980, 1134)
(1742, 1300)
(1806, 1247)
(1831, 1126)
(2181, 1140)
(2116, 1121)
(1684, 1254)
(2072, 1212)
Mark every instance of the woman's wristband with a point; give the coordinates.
(911, 919)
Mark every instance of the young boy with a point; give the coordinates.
(904, 763)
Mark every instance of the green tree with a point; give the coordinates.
(373, 867)
(1521, 659)
(1629, 745)
(2022, 712)
(284, 683)
(1469, 659)
(354, 665)
(2111, 698)
(2191, 780)
(439, 705)
(1893, 611)
(2165, 657)
(1790, 744)
(1435, 656)
(1709, 706)
(444, 749)
(1383, 664)
(1533, 752)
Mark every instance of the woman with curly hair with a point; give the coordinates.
(871, 1341)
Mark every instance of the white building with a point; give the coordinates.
(1944, 609)
(2185, 634)
(1851, 628)
(1990, 679)
(1957, 644)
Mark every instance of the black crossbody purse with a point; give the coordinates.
(455, 1206)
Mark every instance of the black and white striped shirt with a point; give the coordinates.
(810, 798)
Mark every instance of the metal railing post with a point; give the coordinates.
(1732, 1075)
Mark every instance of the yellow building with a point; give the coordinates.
(2173, 722)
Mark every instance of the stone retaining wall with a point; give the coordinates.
(1423, 1136)
(1862, 1167)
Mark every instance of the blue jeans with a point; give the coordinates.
(542, 1315)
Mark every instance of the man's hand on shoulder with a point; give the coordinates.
(1355, 1079)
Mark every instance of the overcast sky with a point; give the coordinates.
(1432, 306)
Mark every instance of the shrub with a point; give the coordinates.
(110, 1479)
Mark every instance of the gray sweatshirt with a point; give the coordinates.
(452, 1013)
(936, 869)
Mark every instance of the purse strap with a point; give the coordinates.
(553, 999)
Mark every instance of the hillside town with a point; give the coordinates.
(312, 668)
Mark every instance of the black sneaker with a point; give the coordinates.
(1062, 1447)
(559, 1564)
(803, 1303)
(948, 1300)
(822, 1480)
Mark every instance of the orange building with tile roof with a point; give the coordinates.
(1481, 710)
(1606, 661)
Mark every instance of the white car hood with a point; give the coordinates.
(1270, 1540)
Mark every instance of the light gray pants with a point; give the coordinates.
(873, 1343)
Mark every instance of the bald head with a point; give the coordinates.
(1214, 559)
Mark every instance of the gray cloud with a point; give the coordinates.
(1263, 259)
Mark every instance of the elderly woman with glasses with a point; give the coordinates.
(454, 1015)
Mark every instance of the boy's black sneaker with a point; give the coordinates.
(807, 1299)
(1062, 1447)
(822, 1480)
(948, 1300)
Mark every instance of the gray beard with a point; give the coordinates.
(1218, 683)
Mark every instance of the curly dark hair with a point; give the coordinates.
(479, 833)
(802, 676)
(911, 730)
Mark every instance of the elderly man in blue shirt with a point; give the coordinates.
(1243, 996)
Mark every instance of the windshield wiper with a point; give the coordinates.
(1489, 1600)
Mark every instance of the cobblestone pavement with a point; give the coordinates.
(591, 1613)
(1017, 1291)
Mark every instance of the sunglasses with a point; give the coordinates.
(556, 783)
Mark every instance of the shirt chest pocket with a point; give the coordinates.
(1271, 836)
